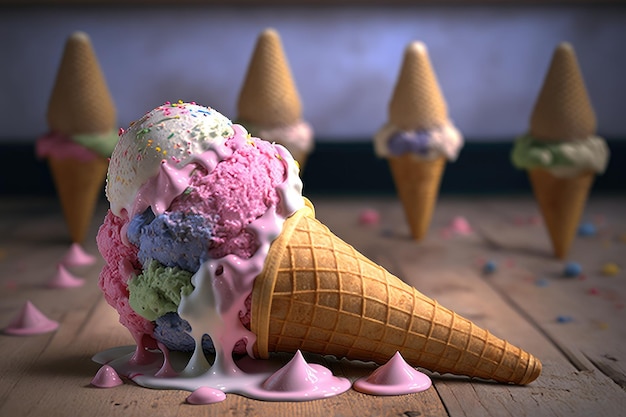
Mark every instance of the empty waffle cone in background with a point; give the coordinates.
(417, 184)
(78, 185)
(417, 102)
(318, 294)
(269, 96)
(80, 100)
(562, 202)
(563, 110)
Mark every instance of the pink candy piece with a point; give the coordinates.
(30, 321)
(64, 279)
(369, 217)
(206, 395)
(106, 377)
(460, 225)
(76, 256)
(396, 377)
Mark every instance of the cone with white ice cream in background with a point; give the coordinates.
(269, 105)
(561, 151)
(418, 139)
(82, 121)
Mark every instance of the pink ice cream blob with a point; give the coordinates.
(64, 279)
(460, 225)
(396, 377)
(306, 381)
(30, 321)
(76, 256)
(369, 217)
(106, 377)
(206, 395)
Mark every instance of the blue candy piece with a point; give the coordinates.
(489, 267)
(172, 331)
(564, 319)
(587, 229)
(172, 238)
(572, 270)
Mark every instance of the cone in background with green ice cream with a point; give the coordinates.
(417, 105)
(562, 128)
(269, 105)
(81, 109)
(318, 294)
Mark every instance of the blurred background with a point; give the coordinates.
(490, 59)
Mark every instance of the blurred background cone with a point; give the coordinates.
(562, 112)
(318, 294)
(80, 104)
(417, 104)
(269, 98)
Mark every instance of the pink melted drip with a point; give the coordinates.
(64, 279)
(166, 371)
(106, 377)
(76, 256)
(298, 378)
(30, 321)
(206, 395)
(394, 378)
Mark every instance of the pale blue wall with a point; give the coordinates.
(490, 60)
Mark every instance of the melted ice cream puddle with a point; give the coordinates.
(394, 378)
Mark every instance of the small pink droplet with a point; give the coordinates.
(64, 279)
(106, 377)
(206, 395)
(30, 321)
(369, 217)
(76, 256)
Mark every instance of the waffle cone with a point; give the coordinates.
(318, 294)
(269, 96)
(417, 102)
(563, 110)
(79, 185)
(417, 183)
(561, 202)
(80, 100)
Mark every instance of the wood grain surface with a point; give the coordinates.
(576, 326)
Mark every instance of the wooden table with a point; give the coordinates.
(576, 326)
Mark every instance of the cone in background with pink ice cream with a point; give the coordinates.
(417, 105)
(317, 294)
(80, 107)
(269, 105)
(562, 114)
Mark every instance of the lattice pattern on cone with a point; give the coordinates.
(269, 96)
(80, 100)
(417, 183)
(79, 185)
(562, 202)
(563, 110)
(417, 102)
(318, 294)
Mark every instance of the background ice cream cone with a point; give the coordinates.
(318, 294)
(417, 183)
(78, 185)
(563, 111)
(417, 104)
(80, 100)
(80, 104)
(269, 96)
(562, 202)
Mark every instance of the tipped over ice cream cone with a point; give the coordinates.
(318, 294)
